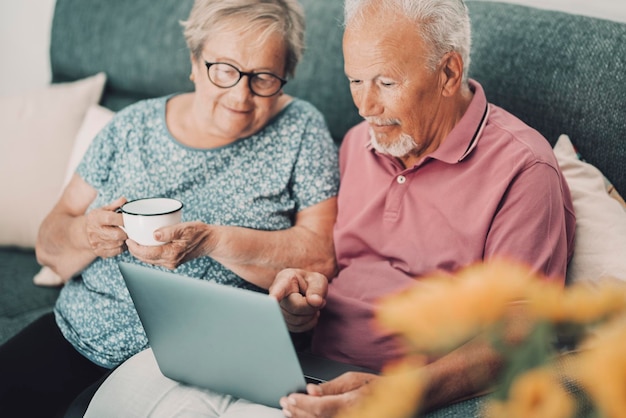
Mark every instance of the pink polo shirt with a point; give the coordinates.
(493, 188)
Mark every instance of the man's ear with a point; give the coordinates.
(451, 73)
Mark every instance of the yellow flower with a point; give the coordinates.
(535, 394)
(495, 409)
(440, 313)
(396, 394)
(601, 368)
(580, 303)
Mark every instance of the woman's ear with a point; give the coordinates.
(194, 63)
(452, 73)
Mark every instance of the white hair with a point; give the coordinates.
(283, 17)
(443, 24)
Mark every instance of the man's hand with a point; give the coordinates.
(326, 399)
(301, 295)
(105, 237)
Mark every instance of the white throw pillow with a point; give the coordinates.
(37, 134)
(97, 117)
(95, 120)
(600, 242)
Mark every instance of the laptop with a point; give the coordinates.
(230, 340)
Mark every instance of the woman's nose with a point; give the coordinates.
(242, 88)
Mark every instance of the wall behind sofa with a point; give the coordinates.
(24, 41)
(25, 35)
(606, 9)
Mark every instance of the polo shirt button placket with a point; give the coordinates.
(393, 201)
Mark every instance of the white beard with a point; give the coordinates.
(404, 145)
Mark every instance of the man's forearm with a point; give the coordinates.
(473, 368)
(468, 371)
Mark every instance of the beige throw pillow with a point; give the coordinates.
(600, 242)
(37, 134)
(97, 117)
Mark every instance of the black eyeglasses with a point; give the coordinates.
(262, 84)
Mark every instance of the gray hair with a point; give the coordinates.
(283, 17)
(443, 24)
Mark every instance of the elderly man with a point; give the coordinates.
(434, 179)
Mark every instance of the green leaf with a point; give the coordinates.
(535, 351)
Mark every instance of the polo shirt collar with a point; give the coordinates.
(463, 138)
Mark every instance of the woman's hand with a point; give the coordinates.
(104, 235)
(184, 241)
(70, 238)
(255, 255)
(326, 399)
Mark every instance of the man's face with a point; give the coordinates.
(385, 62)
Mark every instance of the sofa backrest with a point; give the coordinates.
(559, 72)
(140, 46)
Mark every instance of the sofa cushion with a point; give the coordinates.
(21, 301)
(600, 241)
(38, 131)
(95, 119)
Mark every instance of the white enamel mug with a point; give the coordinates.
(144, 216)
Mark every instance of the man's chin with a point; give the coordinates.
(399, 147)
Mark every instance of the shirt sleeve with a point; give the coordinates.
(95, 165)
(316, 171)
(534, 223)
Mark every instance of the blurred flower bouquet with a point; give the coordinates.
(566, 360)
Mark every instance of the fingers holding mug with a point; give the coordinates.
(142, 218)
(182, 242)
(104, 236)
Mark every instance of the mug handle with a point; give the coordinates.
(119, 210)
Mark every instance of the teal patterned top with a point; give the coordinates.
(258, 182)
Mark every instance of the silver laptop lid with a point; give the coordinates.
(226, 339)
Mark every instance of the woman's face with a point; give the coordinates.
(232, 113)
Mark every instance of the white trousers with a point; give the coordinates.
(138, 389)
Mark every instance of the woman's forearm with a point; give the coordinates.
(62, 244)
(70, 239)
(258, 256)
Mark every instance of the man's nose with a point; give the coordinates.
(368, 102)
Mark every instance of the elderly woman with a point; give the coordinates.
(255, 168)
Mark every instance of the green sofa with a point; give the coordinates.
(558, 72)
